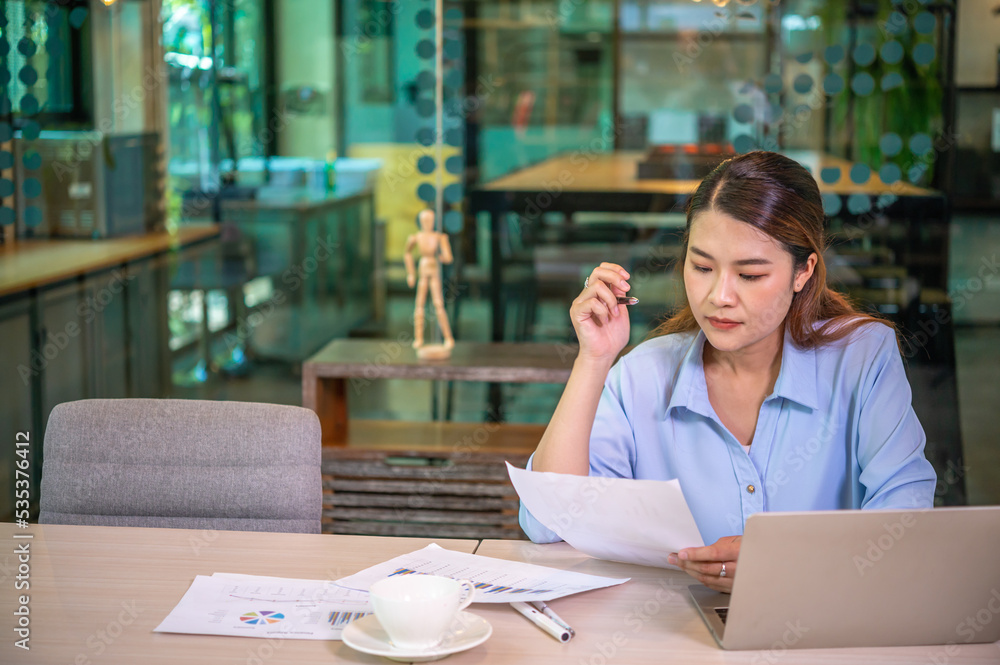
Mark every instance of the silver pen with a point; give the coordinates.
(547, 611)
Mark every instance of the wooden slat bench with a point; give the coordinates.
(425, 479)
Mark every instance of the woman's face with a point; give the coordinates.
(739, 281)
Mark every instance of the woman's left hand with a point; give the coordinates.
(706, 563)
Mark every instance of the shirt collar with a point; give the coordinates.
(796, 378)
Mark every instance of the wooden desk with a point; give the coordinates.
(650, 620)
(420, 478)
(85, 579)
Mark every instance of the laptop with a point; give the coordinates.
(861, 578)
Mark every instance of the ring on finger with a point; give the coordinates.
(722, 573)
(586, 282)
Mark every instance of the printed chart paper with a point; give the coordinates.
(496, 580)
(254, 606)
(619, 519)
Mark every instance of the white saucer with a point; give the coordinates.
(367, 635)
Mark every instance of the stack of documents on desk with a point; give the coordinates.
(619, 519)
(496, 580)
(254, 606)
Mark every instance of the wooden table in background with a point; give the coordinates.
(423, 478)
(585, 181)
(88, 582)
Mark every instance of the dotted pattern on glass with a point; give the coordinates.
(803, 83)
(832, 204)
(891, 52)
(890, 144)
(859, 204)
(31, 187)
(773, 83)
(896, 24)
(744, 143)
(921, 144)
(426, 192)
(833, 84)
(864, 54)
(924, 54)
(890, 174)
(426, 164)
(743, 113)
(860, 174)
(77, 17)
(425, 49)
(891, 81)
(453, 221)
(830, 175)
(833, 54)
(863, 84)
(924, 23)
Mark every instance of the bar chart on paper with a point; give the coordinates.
(496, 580)
(486, 587)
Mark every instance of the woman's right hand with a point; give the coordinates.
(601, 324)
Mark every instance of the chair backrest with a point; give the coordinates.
(193, 464)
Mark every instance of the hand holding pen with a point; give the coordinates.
(600, 313)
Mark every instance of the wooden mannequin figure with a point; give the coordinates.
(431, 243)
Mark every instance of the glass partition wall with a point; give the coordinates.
(565, 122)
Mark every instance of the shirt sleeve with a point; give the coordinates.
(894, 471)
(612, 449)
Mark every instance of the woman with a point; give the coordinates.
(767, 391)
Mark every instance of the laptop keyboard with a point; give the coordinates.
(723, 612)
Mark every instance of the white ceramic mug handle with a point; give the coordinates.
(470, 593)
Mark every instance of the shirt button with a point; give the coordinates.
(750, 489)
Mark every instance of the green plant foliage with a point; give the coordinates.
(908, 97)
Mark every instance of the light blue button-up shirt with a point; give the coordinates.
(837, 432)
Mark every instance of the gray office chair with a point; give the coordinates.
(192, 464)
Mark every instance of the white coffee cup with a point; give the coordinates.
(417, 610)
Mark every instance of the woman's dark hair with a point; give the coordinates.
(779, 197)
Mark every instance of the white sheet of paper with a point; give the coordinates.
(256, 606)
(496, 580)
(619, 519)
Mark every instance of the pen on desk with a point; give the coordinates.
(543, 622)
(550, 613)
(627, 300)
